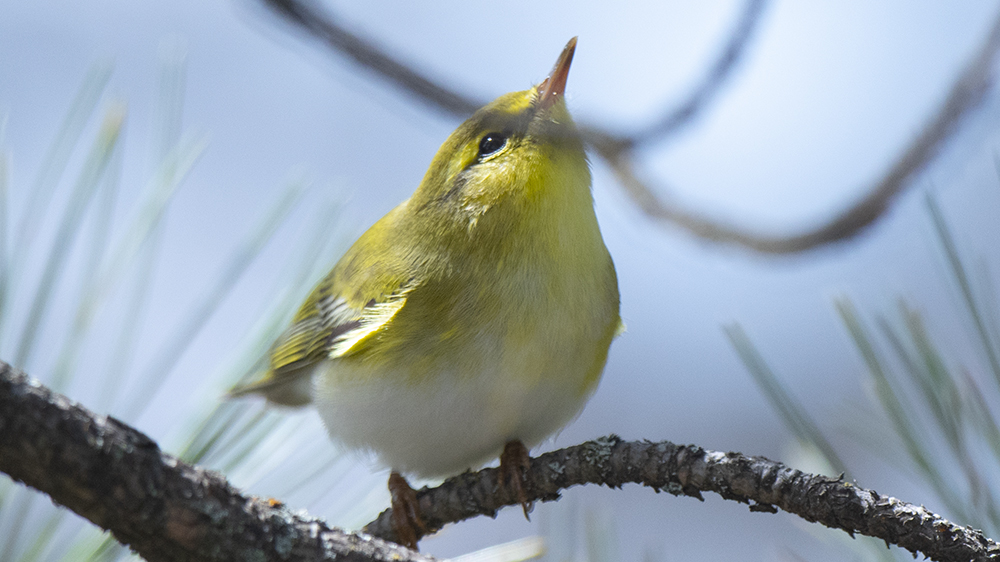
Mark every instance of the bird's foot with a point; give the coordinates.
(514, 465)
(407, 521)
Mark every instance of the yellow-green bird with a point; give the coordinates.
(477, 314)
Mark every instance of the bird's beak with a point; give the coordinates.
(552, 88)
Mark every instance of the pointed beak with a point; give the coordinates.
(552, 88)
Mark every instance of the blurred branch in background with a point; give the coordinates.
(618, 150)
(166, 509)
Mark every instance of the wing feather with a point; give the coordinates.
(326, 326)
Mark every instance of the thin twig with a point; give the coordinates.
(978, 77)
(689, 470)
(967, 92)
(711, 84)
(322, 25)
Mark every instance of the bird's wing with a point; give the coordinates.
(321, 321)
(358, 297)
(326, 326)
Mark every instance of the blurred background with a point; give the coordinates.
(176, 176)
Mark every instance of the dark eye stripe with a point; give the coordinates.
(491, 142)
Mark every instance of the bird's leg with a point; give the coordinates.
(406, 518)
(514, 465)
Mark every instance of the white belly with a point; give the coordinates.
(450, 422)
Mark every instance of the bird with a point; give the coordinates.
(472, 321)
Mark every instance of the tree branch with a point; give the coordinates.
(690, 470)
(163, 508)
(167, 510)
(363, 51)
(977, 78)
(711, 84)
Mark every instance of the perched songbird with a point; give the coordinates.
(474, 318)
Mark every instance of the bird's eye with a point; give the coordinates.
(492, 142)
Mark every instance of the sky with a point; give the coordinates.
(828, 95)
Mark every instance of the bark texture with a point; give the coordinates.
(689, 470)
(161, 507)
